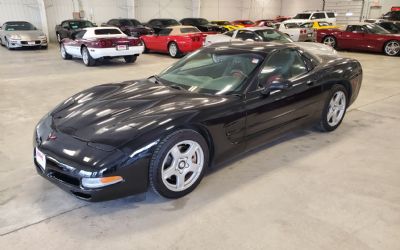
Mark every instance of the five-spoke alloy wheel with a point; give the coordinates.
(334, 109)
(392, 48)
(178, 163)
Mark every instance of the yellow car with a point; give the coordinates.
(319, 25)
(227, 25)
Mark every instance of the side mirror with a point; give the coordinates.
(279, 84)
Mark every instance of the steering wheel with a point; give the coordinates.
(237, 73)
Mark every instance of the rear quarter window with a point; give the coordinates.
(107, 32)
(331, 14)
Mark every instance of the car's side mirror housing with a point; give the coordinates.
(275, 85)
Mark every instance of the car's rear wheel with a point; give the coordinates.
(178, 163)
(392, 48)
(130, 59)
(334, 109)
(173, 50)
(330, 41)
(88, 60)
(64, 53)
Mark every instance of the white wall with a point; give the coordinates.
(20, 10)
(292, 7)
(177, 9)
(221, 9)
(260, 9)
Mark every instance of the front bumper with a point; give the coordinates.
(97, 53)
(68, 178)
(22, 43)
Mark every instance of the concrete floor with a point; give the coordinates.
(311, 191)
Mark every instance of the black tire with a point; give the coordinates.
(174, 53)
(324, 124)
(391, 52)
(330, 41)
(89, 61)
(64, 53)
(130, 59)
(161, 152)
(1, 42)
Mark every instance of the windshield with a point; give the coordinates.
(80, 24)
(201, 21)
(291, 25)
(269, 35)
(19, 26)
(135, 22)
(221, 22)
(169, 22)
(376, 29)
(107, 32)
(247, 22)
(212, 71)
(302, 16)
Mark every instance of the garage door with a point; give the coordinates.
(347, 11)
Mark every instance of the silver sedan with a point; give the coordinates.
(21, 34)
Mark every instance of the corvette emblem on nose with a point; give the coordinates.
(51, 136)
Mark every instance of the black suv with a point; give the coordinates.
(130, 27)
(160, 23)
(392, 15)
(202, 24)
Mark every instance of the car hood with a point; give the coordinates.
(115, 114)
(317, 48)
(26, 34)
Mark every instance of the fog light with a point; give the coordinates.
(100, 182)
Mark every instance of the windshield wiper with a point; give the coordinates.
(157, 79)
(177, 87)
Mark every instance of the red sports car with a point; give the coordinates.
(95, 44)
(174, 40)
(364, 36)
(245, 23)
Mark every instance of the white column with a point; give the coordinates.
(130, 8)
(43, 17)
(196, 5)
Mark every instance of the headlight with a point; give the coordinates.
(43, 37)
(100, 182)
(15, 37)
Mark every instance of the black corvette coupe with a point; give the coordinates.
(164, 132)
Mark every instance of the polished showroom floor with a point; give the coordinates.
(309, 191)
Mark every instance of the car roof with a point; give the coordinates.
(265, 47)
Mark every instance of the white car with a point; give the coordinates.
(295, 32)
(317, 15)
(267, 34)
(93, 44)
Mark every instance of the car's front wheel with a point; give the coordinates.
(178, 163)
(392, 48)
(335, 108)
(88, 60)
(330, 41)
(130, 59)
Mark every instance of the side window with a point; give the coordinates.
(307, 25)
(350, 28)
(229, 33)
(281, 65)
(185, 22)
(164, 32)
(245, 34)
(331, 14)
(318, 15)
(80, 34)
(65, 25)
